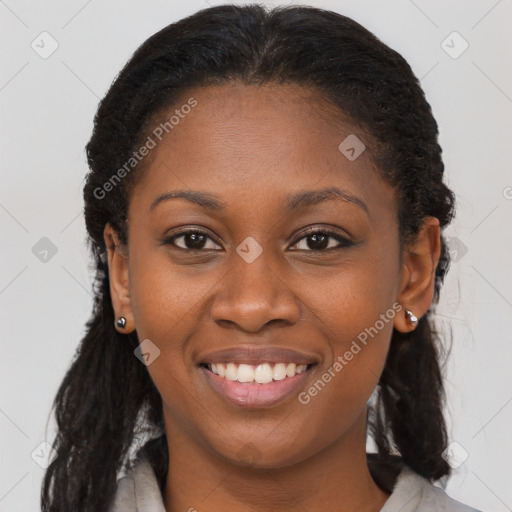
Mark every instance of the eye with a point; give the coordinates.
(319, 240)
(191, 239)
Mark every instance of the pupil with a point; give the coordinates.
(196, 244)
(320, 245)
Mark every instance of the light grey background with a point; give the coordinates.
(47, 108)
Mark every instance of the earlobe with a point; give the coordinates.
(418, 275)
(119, 281)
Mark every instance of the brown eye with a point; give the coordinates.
(191, 240)
(322, 240)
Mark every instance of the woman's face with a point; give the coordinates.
(254, 278)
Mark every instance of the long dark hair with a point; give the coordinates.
(106, 390)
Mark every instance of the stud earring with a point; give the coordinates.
(411, 318)
(121, 322)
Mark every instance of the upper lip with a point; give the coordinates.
(257, 355)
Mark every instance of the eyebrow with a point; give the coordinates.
(293, 202)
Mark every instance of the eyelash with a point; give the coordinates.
(344, 242)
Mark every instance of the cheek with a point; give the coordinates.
(357, 302)
(339, 392)
(355, 315)
(165, 299)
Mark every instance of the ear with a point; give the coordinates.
(119, 280)
(418, 273)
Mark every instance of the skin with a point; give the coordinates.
(252, 147)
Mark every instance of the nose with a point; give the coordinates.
(252, 295)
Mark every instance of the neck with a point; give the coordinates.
(336, 478)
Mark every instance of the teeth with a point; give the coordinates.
(261, 374)
(231, 372)
(245, 373)
(279, 371)
(222, 370)
(290, 370)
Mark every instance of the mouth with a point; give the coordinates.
(256, 385)
(252, 373)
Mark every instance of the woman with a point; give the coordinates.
(265, 205)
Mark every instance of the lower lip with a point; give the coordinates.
(254, 394)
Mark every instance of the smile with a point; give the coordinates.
(256, 386)
(261, 374)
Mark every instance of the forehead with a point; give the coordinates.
(254, 143)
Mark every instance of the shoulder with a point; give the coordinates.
(138, 490)
(124, 499)
(413, 493)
